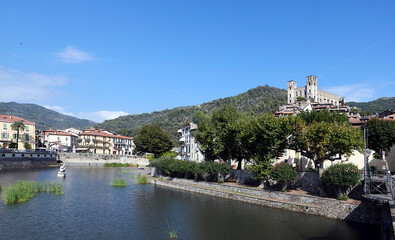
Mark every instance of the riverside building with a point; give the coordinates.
(8, 135)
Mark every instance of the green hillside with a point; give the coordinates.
(43, 117)
(375, 106)
(258, 100)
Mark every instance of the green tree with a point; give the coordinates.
(323, 116)
(152, 139)
(17, 126)
(27, 145)
(343, 176)
(381, 136)
(327, 141)
(218, 135)
(265, 138)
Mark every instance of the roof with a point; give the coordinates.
(9, 118)
(102, 134)
(62, 134)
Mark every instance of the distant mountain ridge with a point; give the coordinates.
(43, 117)
(375, 106)
(258, 100)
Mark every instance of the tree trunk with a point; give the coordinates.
(320, 165)
(17, 139)
(239, 164)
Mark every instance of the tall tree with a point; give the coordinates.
(323, 116)
(381, 136)
(152, 139)
(265, 138)
(218, 135)
(17, 126)
(326, 141)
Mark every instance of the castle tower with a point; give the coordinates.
(311, 87)
(291, 92)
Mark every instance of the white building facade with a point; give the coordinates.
(189, 147)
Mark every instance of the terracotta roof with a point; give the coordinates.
(9, 118)
(102, 134)
(50, 130)
(62, 134)
(123, 137)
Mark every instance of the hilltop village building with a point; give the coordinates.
(310, 98)
(189, 147)
(8, 135)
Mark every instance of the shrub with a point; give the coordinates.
(13, 145)
(169, 154)
(343, 176)
(27, 145)
(284, 174)
(119, 182)
(342, 197)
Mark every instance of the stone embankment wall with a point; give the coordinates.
(90, 159)
(13, 160)
(364, 212)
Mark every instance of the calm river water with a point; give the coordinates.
(92, 209)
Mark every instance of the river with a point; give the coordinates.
(92, 209)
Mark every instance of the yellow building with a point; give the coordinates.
(101, 141)
(8, 135)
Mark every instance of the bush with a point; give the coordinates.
(189, 169)
(343, 176)
(27, 145)
(13, 145)
(284, 174)
(342, 197)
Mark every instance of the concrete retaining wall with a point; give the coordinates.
(365, 212)
(90, 159)
(14, 163)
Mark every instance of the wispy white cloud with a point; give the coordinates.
(59, 110)
(29, 87)
(101, 116)
(73, 55)
(354, 92)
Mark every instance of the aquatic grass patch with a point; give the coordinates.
(118, 182)
(172, 231)
(23, 191)
(142, 179)
(122, 172)
(114, 164)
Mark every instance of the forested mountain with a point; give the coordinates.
(375, 106)
(258, 100)
(43, 117)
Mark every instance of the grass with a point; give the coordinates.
(23, 191)
(342, 197)
(114, 164)
(119, 182)
(142, 179)
(172, 232)
(122, 172)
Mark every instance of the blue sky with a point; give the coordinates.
(102, 59)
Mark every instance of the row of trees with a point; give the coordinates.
(228, 134)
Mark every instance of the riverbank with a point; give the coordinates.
(364, 211)
(90, 159)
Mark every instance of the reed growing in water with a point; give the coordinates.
(119, 182)
(23, 191)
(142, 179)
(114, 164)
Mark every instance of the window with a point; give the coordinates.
(4, 126)
(26, 128)
(4, 135)
(58, 138)
(67, 138)
(27, 137)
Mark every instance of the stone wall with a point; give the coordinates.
(309, 181)
(365, 212)
(14, 163)
(90, 159)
